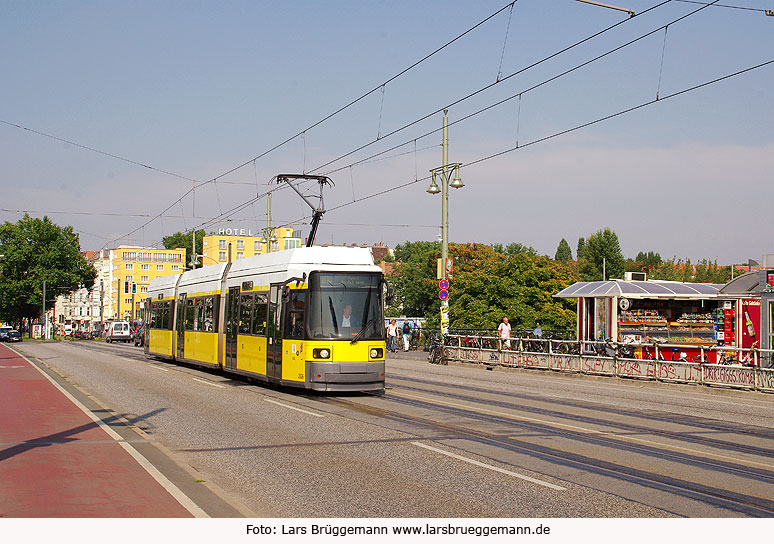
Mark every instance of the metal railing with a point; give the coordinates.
(741, 368)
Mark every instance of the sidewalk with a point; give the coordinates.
(59, 459)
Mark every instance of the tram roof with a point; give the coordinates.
(640, 289)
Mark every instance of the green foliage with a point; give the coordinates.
(414, 279)
(704, 271)
(487, 285)
(35, 250)
(184, 239)
(648, 259)
(580, 248)
(602, 246)
(563, 252)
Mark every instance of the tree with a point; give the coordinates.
(602, 247)
(184, 239)
(579, 249)
(36, 250)
(414, 279)
(563, 252)
(487, 286)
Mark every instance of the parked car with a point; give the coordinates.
(4, 333)
(14, 336)
(118, 331)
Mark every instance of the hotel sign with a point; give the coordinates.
(235, 232)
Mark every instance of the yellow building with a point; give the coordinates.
(244, 244)
(131, 268)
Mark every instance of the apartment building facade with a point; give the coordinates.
(243, 244)
(123, 276)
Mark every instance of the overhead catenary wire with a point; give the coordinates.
(517, 95)
(570, 130)
(485, 88)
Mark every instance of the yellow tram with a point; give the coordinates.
(308, 317)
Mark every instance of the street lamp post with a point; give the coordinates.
(445, 172)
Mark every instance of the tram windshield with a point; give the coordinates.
(345, 305)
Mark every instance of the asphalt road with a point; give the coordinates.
(446, 441)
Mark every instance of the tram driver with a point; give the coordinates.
(347, 319)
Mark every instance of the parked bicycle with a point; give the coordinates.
(438, 355)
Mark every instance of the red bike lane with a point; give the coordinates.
(56, 461)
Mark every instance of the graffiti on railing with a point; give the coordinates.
(766, 379)
(530, 360)
(633, 368)
(512, 358)
(596, 365)
(729, 375)
(469, 354)
(563, 363)
(486, 351)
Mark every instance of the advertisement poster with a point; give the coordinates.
(751, 322)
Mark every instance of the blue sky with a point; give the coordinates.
(196, 89)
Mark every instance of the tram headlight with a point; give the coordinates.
(376, 353)
(321, 353)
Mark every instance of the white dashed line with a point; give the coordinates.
(293, 408)
(208, 383)
(490, 467)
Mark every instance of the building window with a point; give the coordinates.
(292, 243)
(175, 268)
(144, 267)
(240, 244)
(129, 256)
(275, 245)
(159, 268)
(221, 244)
(143, 289)
(257, 246)
(130, 266)
(128, 278)
(144, 279)
(221, 255)
(176, 257)
(240, 254)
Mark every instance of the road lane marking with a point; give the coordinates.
(171, 488)
(293, 408)
(208, 383)
(629, 438)
(491, 467)
(159, 368)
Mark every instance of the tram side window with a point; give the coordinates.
(166, 322)
(190, 314)
(151, 317)
(259, 313)
(245, 312)
(294, 318)
(209, 314)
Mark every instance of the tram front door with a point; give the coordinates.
(180, 325)
(232, 327)
(274, 333)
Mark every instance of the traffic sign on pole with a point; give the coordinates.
(443, 284)
(443, 294)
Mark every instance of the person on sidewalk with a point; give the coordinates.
(392, 336)
(504, 332)
(406, 335)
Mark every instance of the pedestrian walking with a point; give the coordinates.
(504, 332)
(392, 336)
(406, 335)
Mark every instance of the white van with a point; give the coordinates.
(118, 331)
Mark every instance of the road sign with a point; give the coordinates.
(443, 284)
(443, 294)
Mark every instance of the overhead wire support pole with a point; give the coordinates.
(317, 211)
